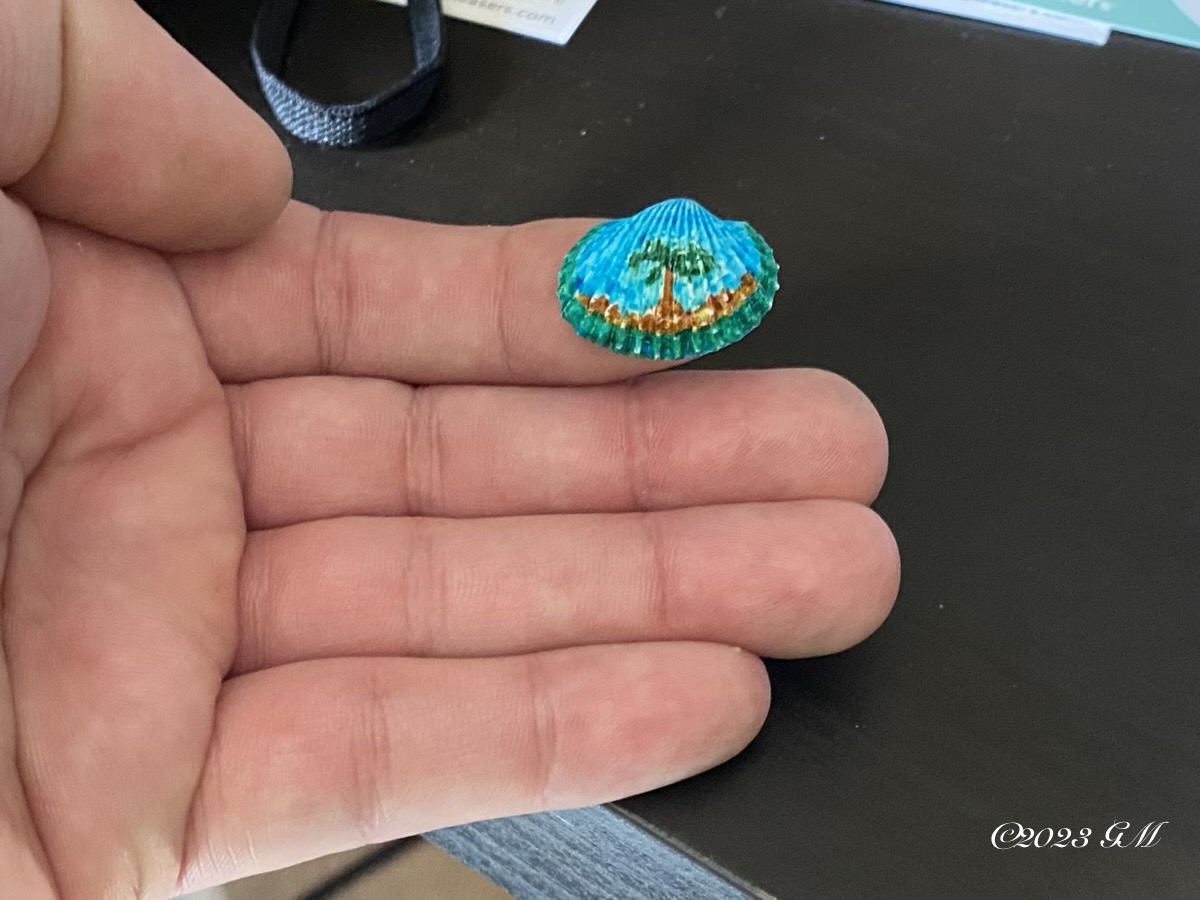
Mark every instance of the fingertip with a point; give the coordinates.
(713, 701)
(877, 448)
(266, 169)
(862, 457)
(860, 581)
(750, 713)
(872, 588)
(730, 696)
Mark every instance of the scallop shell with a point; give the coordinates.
(671, 282)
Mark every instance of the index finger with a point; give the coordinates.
(354, 294)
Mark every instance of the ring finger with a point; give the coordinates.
(780, 579)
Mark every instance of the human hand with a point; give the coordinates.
(339, 533)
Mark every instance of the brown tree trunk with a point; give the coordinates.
(667, 306)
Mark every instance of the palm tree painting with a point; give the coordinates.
(668, 260)
(670, 282)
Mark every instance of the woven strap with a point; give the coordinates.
(370, 121)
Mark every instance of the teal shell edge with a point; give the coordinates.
(686, 344)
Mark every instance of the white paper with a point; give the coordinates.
(547, 20)
(1018, 15)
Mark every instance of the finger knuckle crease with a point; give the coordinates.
(506, 251)
(659, 566)
(255, 583)
(424, 451)
(636, 448)
(333, 295)
(371, 760)
(545, 734)
(425, 601)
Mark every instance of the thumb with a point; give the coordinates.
(116, 127)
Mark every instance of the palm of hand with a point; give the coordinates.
(264, 599)
(122, 560)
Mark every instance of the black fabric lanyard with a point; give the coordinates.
(370, 121)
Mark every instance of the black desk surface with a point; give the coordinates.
(997, 236)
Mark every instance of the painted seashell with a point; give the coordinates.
(671, 282)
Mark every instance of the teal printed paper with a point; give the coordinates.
(1177, 21)
(1023, 15)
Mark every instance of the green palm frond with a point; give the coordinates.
(686, 259)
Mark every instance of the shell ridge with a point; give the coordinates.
(713, 287)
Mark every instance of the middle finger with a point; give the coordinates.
(319, 447)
